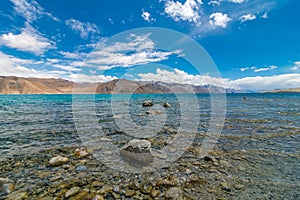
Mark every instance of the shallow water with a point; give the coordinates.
(258, 152)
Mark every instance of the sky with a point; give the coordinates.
(254, 44)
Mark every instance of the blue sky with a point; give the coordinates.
(254, 43)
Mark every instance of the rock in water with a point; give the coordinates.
(153, 112)
(166, 105)
(137, 152)
(147, 103)
(58, 160)
(6, 186)
(72, 192)
(81, 152)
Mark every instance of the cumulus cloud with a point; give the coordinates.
(137, 50)
(28, 40)
(248, 17)
(219, 19)
(259, 83)
(13, 66)
(30, 10)
(181, 77)
(147, 16)
(84, 29)
(189, 11)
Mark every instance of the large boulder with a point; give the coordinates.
(147, 103)
(137, 152)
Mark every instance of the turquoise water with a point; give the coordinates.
(261, 134)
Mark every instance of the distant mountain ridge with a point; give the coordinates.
(19, 85)
(290, 90)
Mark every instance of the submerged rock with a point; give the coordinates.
(153, 112)
(166, 105)
(17, 196)
(98, 197)
(81, 152)
(137, 152)
(7, 188)
(58, 160)
(174, 193)
(147, 103)
(72, 192)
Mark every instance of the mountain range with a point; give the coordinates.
(20, 85)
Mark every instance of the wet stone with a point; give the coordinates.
(58, 160)
(137, 152)
(174, 193)
(72, 192)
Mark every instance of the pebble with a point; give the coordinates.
(81, 152)
(72, 192)
(105, 189)
(58, 160)
(81, 168)
(7, 188)
(239, 186)
(174, 193)
(153, 112)
(17, 196)
(98, 197)
(129, 193)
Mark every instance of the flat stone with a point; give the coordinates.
(72, 192)
(17, 196)
(98, 197)
(174, 193)
(58, 160)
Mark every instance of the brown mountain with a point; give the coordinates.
(19, 85)
(290, 90)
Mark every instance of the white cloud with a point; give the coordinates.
(296, 66)
(248, 17)
(219, 19)
(214, 3)
(265, 68)
(12, 66)
(147, 16)
(136, 50)
(189, 11)
(69, 68)
(84, 29)
(244, 69)
(31, 11)
(265, 16)
(28, 40)
(181, 77)
(79, 78)
(71, 55)
(255, 69)
(237, 1)
(259, 83)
